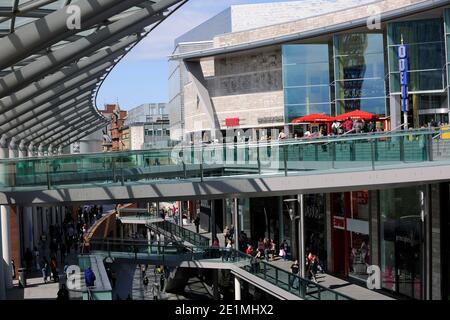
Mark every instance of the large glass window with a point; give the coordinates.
(359, 73)
(402, 240)
(447, 38)
(306, 80)
(426, 54)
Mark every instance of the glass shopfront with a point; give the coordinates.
(426, 54)
(350, 234)
(306, 80)
(402, 241)
(359, 73)
(315, 215)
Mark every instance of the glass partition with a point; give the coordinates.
(218, 161)
(359, 73)
(306, 80)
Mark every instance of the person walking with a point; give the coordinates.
(197, 224)
(295, 268)
(145, 282)
(45, 269)
(54, 269)
(228, 247)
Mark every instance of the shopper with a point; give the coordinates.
(197, 224)
(45, 269)
(295, 268)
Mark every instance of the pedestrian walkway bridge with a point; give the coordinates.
(218, 170)
(274, 280)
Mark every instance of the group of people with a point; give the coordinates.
(312, 268)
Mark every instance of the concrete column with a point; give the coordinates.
(6, 245)
(438, 192)
(396, 114)
(36, 226)
(329, 234)
(213, 220)
(41, 151)
(60, 151)
(50, 150)
(374, 227)
(23, 150)
(31, 150)
(5, 222)
(237, 289)
(280, 220)
(2, 266)
(28, 228)
(236, 223)
(13, 150)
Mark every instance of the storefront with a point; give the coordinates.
(402, 240)
(315, 226)
(351, 253)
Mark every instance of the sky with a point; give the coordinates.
(142, 76)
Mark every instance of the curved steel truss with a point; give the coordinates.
(55, 55)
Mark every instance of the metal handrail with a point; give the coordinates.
(199, 252)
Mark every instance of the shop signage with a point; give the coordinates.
(266, 120)
(339, 223)
(232, 122)
(403, 67)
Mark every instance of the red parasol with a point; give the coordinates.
(314, 118)
(357, 114)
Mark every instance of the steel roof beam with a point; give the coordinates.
(83, 47)
(57, 91)
(61, 133)
(60, 128)
(53, 97)
(51, 123)
(38, 88)
(31, 118)
(77, 134)
(53, 28)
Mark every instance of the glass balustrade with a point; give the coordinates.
(180, 232)
(303, 288)
(216, 161)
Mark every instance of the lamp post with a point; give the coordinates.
(301, 229)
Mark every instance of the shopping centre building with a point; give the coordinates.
(333, 63)
(330, 63)
(360, 203)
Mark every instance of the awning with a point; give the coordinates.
(357, 115)
(314, 118)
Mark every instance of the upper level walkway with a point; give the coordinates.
(274, 280)
(221, 170)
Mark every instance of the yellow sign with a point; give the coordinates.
(445, 133)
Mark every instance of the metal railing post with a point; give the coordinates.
(285, 160)
(372, 149)
(201, 164)
(333, 155)
(258, 158)
(430, 147)
(48, 175)
(402, 148)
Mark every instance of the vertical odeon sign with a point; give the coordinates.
(403, 67)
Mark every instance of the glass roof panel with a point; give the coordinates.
(58, 4)
(6, 3)
(20, 21)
